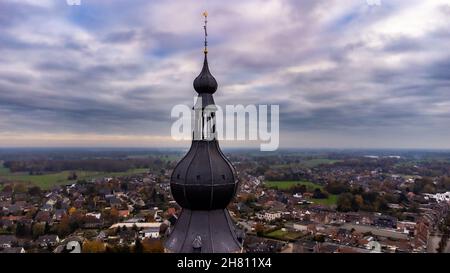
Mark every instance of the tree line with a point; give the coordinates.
(100, 165)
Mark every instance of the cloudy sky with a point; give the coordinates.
(107, 73)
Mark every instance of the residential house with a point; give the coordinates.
(269, 215)
(7, 241)
(13, 250)
(47, 240)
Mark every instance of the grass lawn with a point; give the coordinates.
(284, 235)
(311, 163)
(330, 201)
(284, 185)
(171, 158)
(46, 181)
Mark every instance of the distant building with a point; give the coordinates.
(7, 241)
(47, 240)
(269, 216)
(145, 225)
(13, 250)
(438, 197)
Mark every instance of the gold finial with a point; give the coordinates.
(205, 14)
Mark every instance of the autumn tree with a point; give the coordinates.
(344, 202)
(20, 188)
(259, 229)
(152, 246)
(359, 201)
(93, 247)
(38, 229)
(34, 191)
(63, 229)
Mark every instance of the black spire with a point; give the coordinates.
(204, 182)
(205, 83)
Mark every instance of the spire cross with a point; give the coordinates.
(205, 14)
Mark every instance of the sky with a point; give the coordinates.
(345, 74)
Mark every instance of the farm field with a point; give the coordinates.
(46, 181)
(309, 163)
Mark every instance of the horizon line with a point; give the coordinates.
(225, 147)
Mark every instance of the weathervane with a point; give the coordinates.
(205, 14)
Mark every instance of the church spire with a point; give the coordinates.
(204, 182)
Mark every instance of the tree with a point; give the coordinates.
(72, 210)
(344, 202)
(259, 229)
(38, 229)
(319, 238)
(113, 215)
(93, 247)
(359, 201)
(20, 188)
(63, 229)
(337, 187)
(22, 230)
(138, 247)
(118, 249)
(444, 184)
(34, 191)
(7, 188)
(299, 189)
(153, 246)
(424, 185)
(318, 194)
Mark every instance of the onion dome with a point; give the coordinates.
(205, 83)
(204, 179)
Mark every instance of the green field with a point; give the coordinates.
(330, 201)
(164, 158)
(308, 163)
(283, 235)
(311, 163)
(284, 185)
(46, 181)
(310, 186)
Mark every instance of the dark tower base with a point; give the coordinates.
(214, 228)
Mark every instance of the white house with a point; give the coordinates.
(298, 195)
(439, 197)
(269, 216)
(145, 225)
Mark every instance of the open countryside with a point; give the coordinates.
(49, 180)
